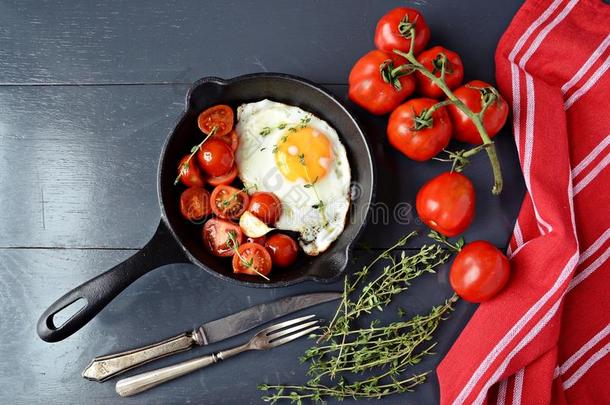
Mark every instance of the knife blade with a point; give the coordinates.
(105, 367)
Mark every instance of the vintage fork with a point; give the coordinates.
(273, 336)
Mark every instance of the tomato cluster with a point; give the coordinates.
(421, 128)
(212, 163)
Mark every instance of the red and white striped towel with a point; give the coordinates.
(546, 338)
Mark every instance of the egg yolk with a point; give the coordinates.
(305, 153)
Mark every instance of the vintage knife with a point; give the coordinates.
(105, 367)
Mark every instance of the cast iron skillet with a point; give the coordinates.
(177, 241)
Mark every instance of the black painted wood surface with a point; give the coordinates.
(88, 92)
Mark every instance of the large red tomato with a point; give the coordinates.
(479, 271)
(393, 30)
(375, 85)
(433, 59)
(417, 132)
(446, 203)
(474, 94)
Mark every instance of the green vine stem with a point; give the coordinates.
(476, 118)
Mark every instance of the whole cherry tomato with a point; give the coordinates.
(265, 206)
(217, 235)
(220, 116)
(229, 202)
(446, 203)
(190, 174)
(195, 203)
(253, 259)
(231, 138)
(215, 157)
(434, 59)
(393, 31)
(225, 179)
(475, 94)
(376, 85)
(418, 130)
(283, 249)
(479, 271)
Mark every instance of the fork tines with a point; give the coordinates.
(279, 334)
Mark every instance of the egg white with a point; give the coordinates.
(259, 130)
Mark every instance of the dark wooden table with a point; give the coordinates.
(88, 93)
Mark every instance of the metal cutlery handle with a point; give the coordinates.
(142, 382)
(105, 367)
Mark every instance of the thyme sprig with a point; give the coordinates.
(249, 263)
(303, 122)
(386, 351)
(186, 165)
(312, 185)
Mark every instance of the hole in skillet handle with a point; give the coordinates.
(99, 291)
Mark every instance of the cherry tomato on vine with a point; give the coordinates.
(229, 202)
(220, 116)
(377, 84)
(195, 203)
(434, 59)
(190, 174)
(446, 203)
(479, 271)
(475, 94)
(216, 237)
(225, 179)
(253, 259)
(419, 131)
(393, 30)
(265, 206)
(215, 157)
(282, 248)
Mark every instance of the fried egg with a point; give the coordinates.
(297, 156)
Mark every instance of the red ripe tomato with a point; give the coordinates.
(479, 271)
(220, 116)
(420, 139)
(195, 203)
(392, 31)
(217, 237)
(225, 179)
(231, 139)
(260, 240)
(446, 203)
(252, 259)
(189, 173)
(434, 59)
(215, 157)
(229, 202)
(266, 207)
(283, 249)
(474, 94)
(376, 86)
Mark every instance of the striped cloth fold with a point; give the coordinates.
(546, 337)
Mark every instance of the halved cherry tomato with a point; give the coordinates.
(265, 206)
(392, 31)
(416, 132)
(216, 237)
(479, 271)
(215, 157)
(220, 116)
(229, 202)
(195, 203)
(231, 139)
(224, 179)
(191, 176)
(376, 86)
(282, 248)
(446, 203)
(434, 59)
(474, 94)
(252, 259)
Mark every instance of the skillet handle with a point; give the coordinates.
(99, 291)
